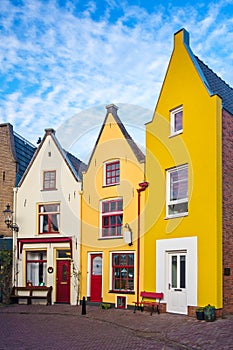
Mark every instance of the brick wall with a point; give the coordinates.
(7, 173)
(227, 133)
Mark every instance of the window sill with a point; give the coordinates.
(48, 189)
(110, 237)
(176, 216)
(121, 291)
(110, 185)
(176, 134)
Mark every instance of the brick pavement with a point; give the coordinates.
(33, 327)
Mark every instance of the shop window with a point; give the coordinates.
(36, 268)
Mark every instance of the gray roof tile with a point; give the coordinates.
(217, 86)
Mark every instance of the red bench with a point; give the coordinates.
(150, 299)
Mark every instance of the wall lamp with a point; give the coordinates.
(128, 234)
(8, 215)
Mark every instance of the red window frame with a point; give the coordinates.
(49, 180)
(112, 173)
(41, 261)
(112, 218)
(49, 216)
(123, 271)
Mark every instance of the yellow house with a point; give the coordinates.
(111, 261)
(184, 212)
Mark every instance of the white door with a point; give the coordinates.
(176, 282)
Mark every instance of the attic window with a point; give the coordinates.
(112, 173)
(49, 180)
(176, 121)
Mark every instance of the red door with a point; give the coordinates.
(63, 281)
(96, 278)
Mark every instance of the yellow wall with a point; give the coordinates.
(200, 147)
(111, 145)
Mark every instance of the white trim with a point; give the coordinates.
(164, 246)
(168, 192)
(172, 121)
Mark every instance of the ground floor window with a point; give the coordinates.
(36, 267)
(123, 271)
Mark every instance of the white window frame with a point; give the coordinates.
(170, 201)
(173, 119)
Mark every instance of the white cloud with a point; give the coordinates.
(55, 62)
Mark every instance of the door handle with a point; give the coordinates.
(169, 286)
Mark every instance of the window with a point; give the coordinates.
(176, 121)
(112, 173)
(49, 180)
(49, 215)
(36, 268)
(112, 217)
(123, 271)
(177, 191)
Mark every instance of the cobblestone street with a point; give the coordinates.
(64, 327)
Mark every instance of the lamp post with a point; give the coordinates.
(8, 214)
(142, 187)
(9, 221)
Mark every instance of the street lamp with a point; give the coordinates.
(8, 214)
(142, 187)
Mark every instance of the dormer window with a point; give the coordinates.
(112, 173)
(176, 121)
(49, 180)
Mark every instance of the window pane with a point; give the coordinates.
(123, 274)
(49, 218)
(178, 208)
(182, 271)
(112, 222)
(112, 173)
(36, 268)
(178, 121)
(174, 271)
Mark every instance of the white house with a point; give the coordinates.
(47, 211)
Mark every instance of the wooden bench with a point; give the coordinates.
(32, 292)
(150, 299)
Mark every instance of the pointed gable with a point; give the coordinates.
(75, 165)
(112, 111)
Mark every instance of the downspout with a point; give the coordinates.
(143, 186)
(15, 233)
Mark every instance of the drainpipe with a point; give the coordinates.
(15, 233)
(143, 185)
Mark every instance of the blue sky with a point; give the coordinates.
(61, 58)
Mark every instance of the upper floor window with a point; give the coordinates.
(112, 173)
(177, 191)
(49, 216)
(49, 180)
(112, 218)
(176, 121)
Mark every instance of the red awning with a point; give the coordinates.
(22, 241)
